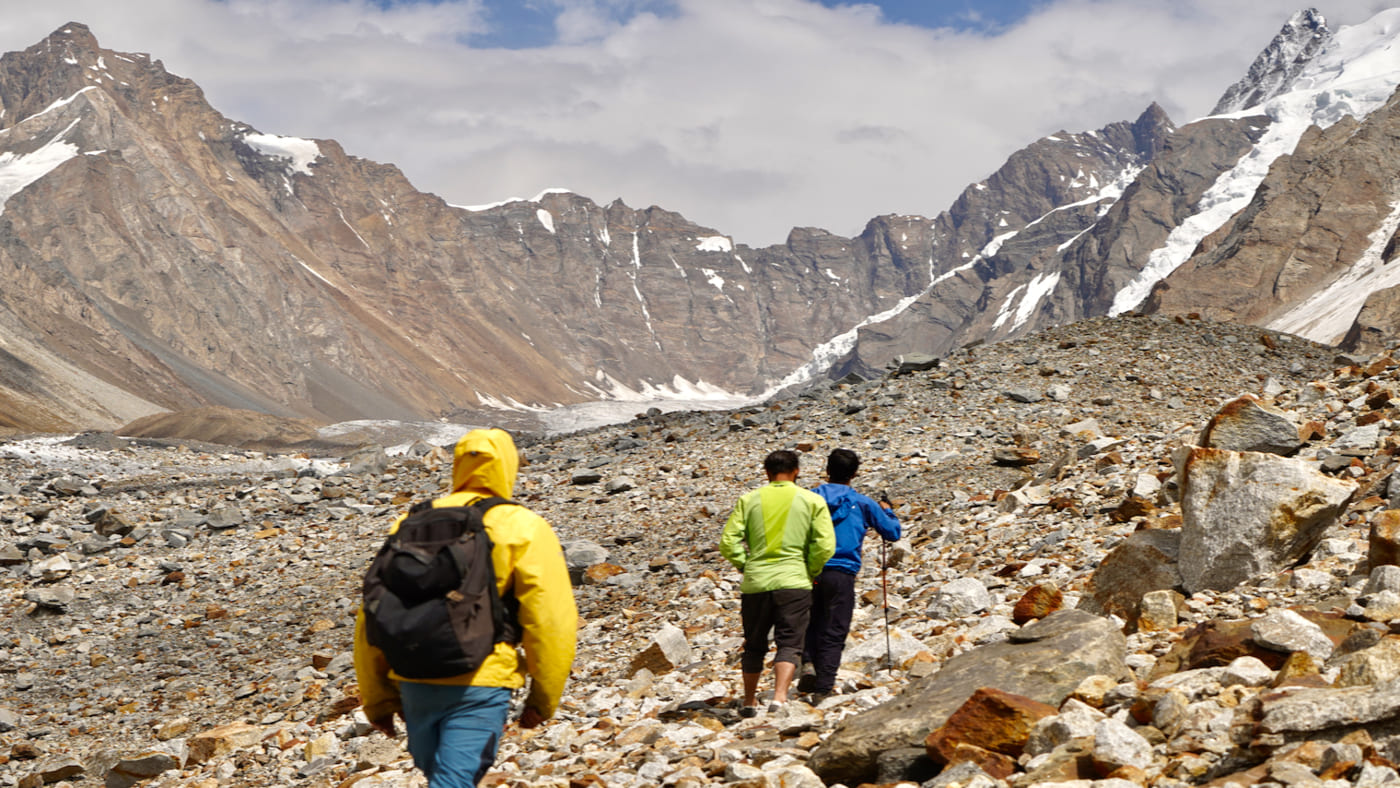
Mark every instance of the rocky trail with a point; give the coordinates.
(1082, 597)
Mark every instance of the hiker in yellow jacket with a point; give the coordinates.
(780, 537)
(455, 724)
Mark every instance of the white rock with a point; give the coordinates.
(1248, 672)
(1287, 631)
(1116, 745)
(962, 597)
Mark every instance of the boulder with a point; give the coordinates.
(1246, 513)
(1142, 563)
(1246, 424)
(222, 740)
(961, 597)
(1044, 661)
(1287, 631)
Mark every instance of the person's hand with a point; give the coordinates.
(385, 725)
(530, 718)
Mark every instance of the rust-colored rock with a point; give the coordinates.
(599, 573)
(1312, 431)
(1383, 541)
(1039, 601)
(990, 719)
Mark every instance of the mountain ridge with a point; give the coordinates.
(160, 256)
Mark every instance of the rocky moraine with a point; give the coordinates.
(1138, 551)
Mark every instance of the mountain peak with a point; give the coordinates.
(72, 37)
(1273, 71)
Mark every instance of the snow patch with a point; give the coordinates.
(488, 206)
(300, 153)
(546, 218)
(18, 171)
(713, 278)
(714, 243)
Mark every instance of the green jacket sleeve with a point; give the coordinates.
(822, 542)
(733, 544)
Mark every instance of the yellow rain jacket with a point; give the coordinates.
(529, 562)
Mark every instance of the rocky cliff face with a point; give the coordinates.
(1313, 216)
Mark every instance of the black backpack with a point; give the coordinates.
(430, 596)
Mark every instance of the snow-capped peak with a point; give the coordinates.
(1273, 72)
(1353, 74)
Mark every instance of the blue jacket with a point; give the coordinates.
(851, 515)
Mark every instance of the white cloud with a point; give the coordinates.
(748, 116)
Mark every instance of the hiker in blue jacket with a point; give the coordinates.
(834, 592)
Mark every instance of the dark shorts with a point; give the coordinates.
(784, 613)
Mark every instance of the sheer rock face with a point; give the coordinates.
(1310, 221)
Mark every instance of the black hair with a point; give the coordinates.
(841, 465)
(780, 461)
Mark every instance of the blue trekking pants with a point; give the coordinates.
(453, 732)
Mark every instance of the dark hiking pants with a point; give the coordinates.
(833, 599)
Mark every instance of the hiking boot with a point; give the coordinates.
(748, 711)
(808, 680)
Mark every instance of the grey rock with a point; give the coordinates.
(1287, 631)
(1024, 395)
(132, 770)
(1246, 424)
(619, 485)
(224, 518)
(961, 597)
(581, 553)
(57, 598)
(1385, 577)
(370, 460)
(1116, 745)
(1247, 513)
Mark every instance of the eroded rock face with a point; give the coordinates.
(1310, 221)
(1246, 513)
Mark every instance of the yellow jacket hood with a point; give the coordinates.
(485, 462)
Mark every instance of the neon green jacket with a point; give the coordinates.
(779, 536)
(528, 561)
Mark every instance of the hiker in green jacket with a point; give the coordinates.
(780, 537)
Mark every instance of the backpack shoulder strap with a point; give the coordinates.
(485, 505)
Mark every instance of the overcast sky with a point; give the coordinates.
(747, 116)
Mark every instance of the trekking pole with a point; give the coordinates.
(885, 589)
